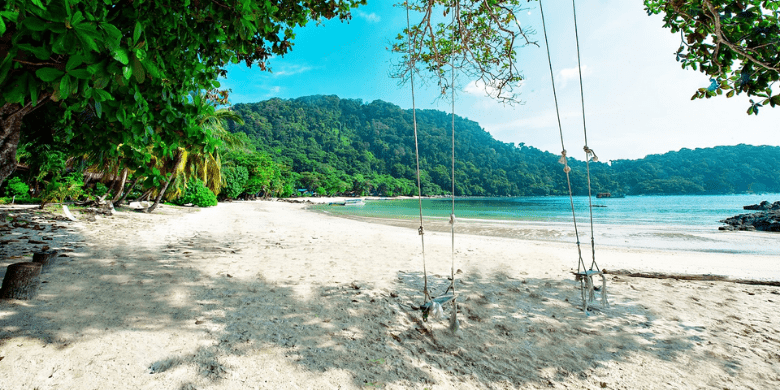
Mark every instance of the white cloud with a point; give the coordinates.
(475, 88)
(565, 75)
(289, 70)
(371, 18)
(478, 88)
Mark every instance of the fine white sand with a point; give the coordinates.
(268, 295)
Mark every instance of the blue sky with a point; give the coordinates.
(637, 97)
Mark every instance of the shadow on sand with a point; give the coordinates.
(514, 332)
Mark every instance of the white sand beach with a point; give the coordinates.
(269, 295)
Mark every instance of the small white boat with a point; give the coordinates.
(354, 202)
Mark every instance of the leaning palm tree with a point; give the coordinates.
(196, 161)
(204, 165)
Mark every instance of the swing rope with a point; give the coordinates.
(452, 194)
(421, 229)
(454, 317)
(588, 151)
(563, 160)
(433, 305)
(583, 273)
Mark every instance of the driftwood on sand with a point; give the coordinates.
(705, 278)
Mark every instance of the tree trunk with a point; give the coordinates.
(160, 195)
(21, 281)
(129, 189)
(119, 189)
(11, 119)
(11, 115)
(144, 196)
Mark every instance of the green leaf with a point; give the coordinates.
(65, 86)
(2, 26)
(138, 71)
(101, 82)
(58, 46)
(137, 31)
(120, 114)
(5, 66)
(95, 68)
(74, 62)
(113, 36)
(98, 109)
(77, 18)
(33, 23)
(82, 74)
(127, 72)
(38, 3)
(151, 68)
(120, 55)
(48, 74)
(40, 52)
(10, 15)
(86, 40)
(18, 92)
(101, 95)
(32, 86)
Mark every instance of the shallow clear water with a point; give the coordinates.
(655, 222)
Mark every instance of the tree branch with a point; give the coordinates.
(737, 49)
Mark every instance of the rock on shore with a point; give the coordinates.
(765, 205)
(768, 220)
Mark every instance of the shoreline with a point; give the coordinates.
(270, 295)
(607, 235)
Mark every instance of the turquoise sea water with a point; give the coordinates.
(687, 222)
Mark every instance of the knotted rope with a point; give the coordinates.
(584, 276)
(420, 230)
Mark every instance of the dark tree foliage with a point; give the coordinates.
(134, 64)
(718, 170)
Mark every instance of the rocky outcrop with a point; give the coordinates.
(767, 221)
(765, 205)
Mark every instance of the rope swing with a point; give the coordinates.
(432, 306)
(584, 274)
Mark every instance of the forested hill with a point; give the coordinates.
(369, 148)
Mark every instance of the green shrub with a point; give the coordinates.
(17, 188)
(57, 191)
(235, 179)
(100, 189)
(20, 200)
(198, 194)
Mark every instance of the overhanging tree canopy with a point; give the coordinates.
(478, 37)
(133, 63)
(736, 43)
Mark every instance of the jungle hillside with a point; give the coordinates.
(330, 145)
